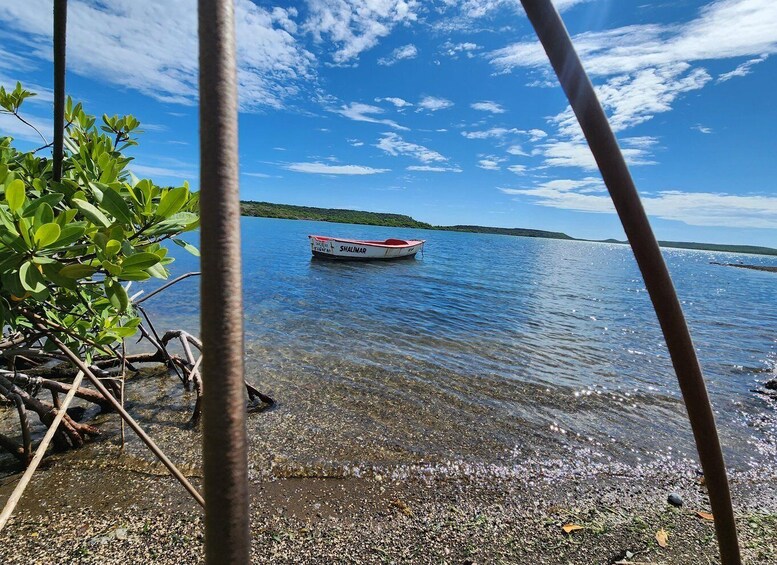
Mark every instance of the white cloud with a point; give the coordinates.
(646, 68)
(355, 142)
(536, 134)
(692, 208)
(257, 175)
(566, 153)
(398, 102)
(481, 8)
(491, 162)
(628, 49)
(455, 49)
(363, 113)
(702, 129)
(408, 51)
(324, 169)
(517, 150)
(488, 106)
(356, 25)
(433, 103)
(517, 169)
(467, 13)
(13, 127)
(393, 144)
(187, 172)
(14, 62)
(137, 45)
(743, 69)
(432, 169)
(490, 133)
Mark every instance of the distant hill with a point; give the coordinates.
(507, 231)
(754, 249)
(289, 212)
(748, 249)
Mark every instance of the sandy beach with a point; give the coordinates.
(92, 514)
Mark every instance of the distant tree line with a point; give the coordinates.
(523, 232)
(289, 212)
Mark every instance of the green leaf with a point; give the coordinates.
(172, 201)
(100, 239)
(6, 221)
(112, 248)
(24, 230)
(158, 271)
(188, 246)
(51, 271)
(124, 331)
(70, 234)
(43, 215)
(50, 199)
(31, 278)
(39, 185)
(134, 275)
(47, 234)
(77, 271)
(112, 268)
(66, 217)
(91, 212)
(14, 195)
(116, 295)
(116, 206)
(140, 261)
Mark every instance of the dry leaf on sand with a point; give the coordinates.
(662, 537)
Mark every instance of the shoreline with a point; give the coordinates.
(83, 515)
(270, 210)
(766, 268)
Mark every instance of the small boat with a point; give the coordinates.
(336, 248)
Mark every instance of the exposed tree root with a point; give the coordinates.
(29, 368)
(43, 369)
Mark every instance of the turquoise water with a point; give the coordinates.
(490, 350)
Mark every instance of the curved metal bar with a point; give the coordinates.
(225, 459)
(582, 97)
(60, 39)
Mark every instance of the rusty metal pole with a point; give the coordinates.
(582, 97)
(227, 538)
(60, 33)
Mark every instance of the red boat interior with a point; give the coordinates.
(391, 242)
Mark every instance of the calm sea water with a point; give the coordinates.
(486, 354)
(490, 349)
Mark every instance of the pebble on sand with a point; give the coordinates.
(675, 499)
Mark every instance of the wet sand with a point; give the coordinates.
(310, 505)
(87, 514)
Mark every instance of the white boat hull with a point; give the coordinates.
(333, 248)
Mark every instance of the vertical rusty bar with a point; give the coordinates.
(582, 97)
(60, 33)
(227, 537)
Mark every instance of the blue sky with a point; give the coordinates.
(444, 110)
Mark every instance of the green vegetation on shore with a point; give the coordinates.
(524, 232)
(289, 212)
